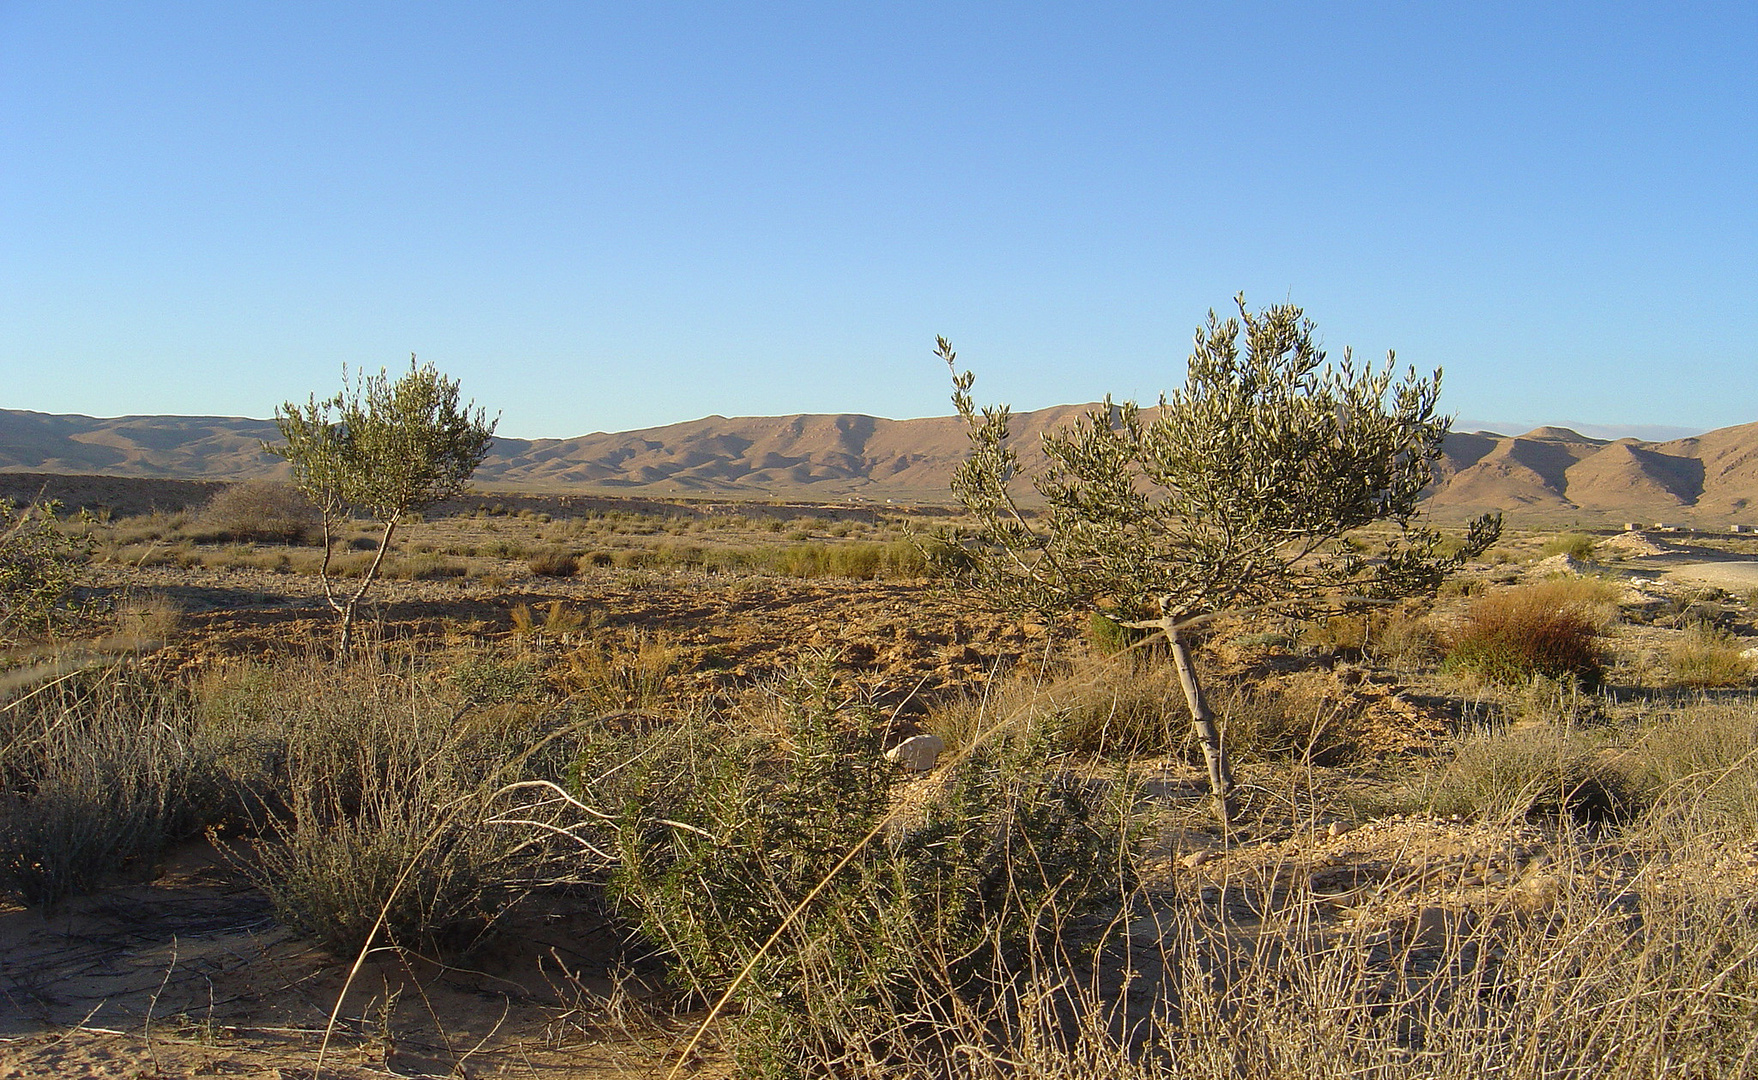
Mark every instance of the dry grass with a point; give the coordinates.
(99, 770)
(1706, 656)
(958, 938)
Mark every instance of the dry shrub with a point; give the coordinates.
(1541, 770)
(429, 566)
(1121, 709)
(1699, 769)
(379, 806)
(1589, 989)
(100, 770)
(1105, 707)
(1707, 656)
(1549, 629)
(554, 562)
(1399, 635)
(260, 510)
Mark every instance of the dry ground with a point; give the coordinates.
(183, 971)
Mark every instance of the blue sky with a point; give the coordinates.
(608, 216)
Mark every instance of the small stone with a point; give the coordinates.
(918, 753)
(1195, 859)
(1337, 829)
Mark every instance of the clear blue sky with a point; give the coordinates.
(607, 216)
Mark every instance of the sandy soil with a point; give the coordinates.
(190, 975)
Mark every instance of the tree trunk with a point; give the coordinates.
(1214, 753)
(346, 645)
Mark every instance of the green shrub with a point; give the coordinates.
(489, 680)
(1576, 545)
(39, 564)
(1107, 637)
(1514, 634)
(723, 837)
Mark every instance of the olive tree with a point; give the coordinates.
(386, 449)
(1240, 491)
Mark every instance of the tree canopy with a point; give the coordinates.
(386, 449)
(1249, 488)
(1239, 490)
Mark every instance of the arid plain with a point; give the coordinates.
(1531, 870)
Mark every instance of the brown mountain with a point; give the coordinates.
(1547, 471)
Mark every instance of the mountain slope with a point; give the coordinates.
(1713, 476)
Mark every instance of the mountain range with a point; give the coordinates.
(1710, 478)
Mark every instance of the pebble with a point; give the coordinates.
(918, 753)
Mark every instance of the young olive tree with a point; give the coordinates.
(1238, 492)
(384, 449)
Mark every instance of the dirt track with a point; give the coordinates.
(1733, 575)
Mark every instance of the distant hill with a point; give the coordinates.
(1548, 471)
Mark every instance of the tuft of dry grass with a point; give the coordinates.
(554, 562)
(1707, 656)
(100, 768)
(1542, 770)
(609, 675)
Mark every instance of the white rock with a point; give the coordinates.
(917, 753)
(1195, 859)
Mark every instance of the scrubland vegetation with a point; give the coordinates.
(1511, 831)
